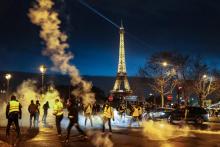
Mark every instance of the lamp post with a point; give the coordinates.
(164, 64)
(170, 70)
(43, 70)
(204, 76)
(8, 77)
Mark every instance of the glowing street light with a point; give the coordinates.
(164, 64)
(204, 76)
(43, 70)
(8, 77)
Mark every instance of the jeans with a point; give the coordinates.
(36, 121)
(105, 119)
(135, 118)
(58, 123)
(31, 119)
(90, 118)
(44, 119)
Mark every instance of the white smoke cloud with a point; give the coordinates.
(26, 92)
(101, 140)
(43, 15)
(163, 131)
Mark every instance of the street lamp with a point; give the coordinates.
(164, 64)
(43, 70)
(8, 77)
(204, 76)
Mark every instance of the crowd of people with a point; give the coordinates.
(14, 113)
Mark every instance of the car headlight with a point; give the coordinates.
(162, 113)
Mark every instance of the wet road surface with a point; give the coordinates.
(204, 136)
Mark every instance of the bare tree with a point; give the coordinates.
(205, 80)
(164, 78)
(164, 85)
(189, 72)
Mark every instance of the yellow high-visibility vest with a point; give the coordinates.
(108, 112)
(88, 109)
(136, 112)
(58, 109)
(13, 106)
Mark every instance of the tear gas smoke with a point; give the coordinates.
(163, 130)
(43, 15)
(26, 92)
(3, 105)
(101, 140)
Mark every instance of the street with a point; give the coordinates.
(204, 136)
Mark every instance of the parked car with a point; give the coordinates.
(197, 115)
(158, 113)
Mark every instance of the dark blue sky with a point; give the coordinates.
(187, 26)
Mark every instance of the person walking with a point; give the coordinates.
(45, 107)
(108, 114)
(88, 113)
(135, 114)
(58, 112)
(13, 113)
(121, 110)
(73, 109)
(32, 109)
(37, 113)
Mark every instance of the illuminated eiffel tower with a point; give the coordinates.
(121, 86)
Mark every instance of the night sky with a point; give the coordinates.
(187, 26)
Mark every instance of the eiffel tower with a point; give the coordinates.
(121, 86)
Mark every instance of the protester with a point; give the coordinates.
(108, 114)
(45, 107)
(13, 113)
(122, 110)
(32, 109)
(135, 114)
(88, 113)
(37, 113)
(58, 112)
(73, 110)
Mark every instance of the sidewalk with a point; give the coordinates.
(45, 137)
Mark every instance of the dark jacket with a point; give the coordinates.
(46, 106)
(32, 108)
(72, 108)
